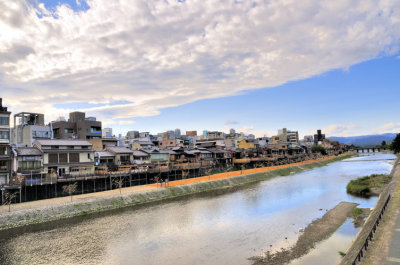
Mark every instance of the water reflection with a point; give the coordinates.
(328, 250)
(225, 229)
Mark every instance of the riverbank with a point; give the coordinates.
(60, 208)
(315, 232)
(380, 244)
(368, 185)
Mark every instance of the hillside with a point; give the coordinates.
(363, 140)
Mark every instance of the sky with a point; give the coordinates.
(255, 66)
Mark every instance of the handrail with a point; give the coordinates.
(364, 247)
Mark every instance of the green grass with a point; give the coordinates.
(357, 214)
(362, 186)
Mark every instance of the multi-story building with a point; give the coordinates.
(191, 133)
(123, 155)
(107, 133)
(132, 134)
(66, 157)
(5, 148)
(102, 143)
(173, 143)
(286, 136)
(28, 163)
(29, 127)
(215, 135)
(77, 127)
(319, 137)
(177, 132)
(293, 136)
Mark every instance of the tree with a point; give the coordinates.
(8, 197)
(118, 183)
(318, 149)
(383, 144)
(70, 189)
(395, 146)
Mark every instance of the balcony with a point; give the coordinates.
(95, 130)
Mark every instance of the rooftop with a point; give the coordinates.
(119, 150)
(104, 154)
(64, 142)
(28, 151)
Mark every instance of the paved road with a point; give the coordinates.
(394, 252)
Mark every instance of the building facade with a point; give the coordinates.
(5, 147)
(67, 157)
(77, 127)
(29, 127)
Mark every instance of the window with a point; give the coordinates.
(73, 157)
(3, 151)
(53, 158)
(125, 159)
(29, 165)
(88, 156)
(63, 158)
(4, 135)
(3, 165)
(56, 132)
(4, 120)
(41, 134)
(69, 130)
(96, 130)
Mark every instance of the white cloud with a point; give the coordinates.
(341, 129)
(246, 129)
(126, 122)
(231, 122)
(159, 54)
(391, 127)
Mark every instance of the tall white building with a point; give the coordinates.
(107, 133)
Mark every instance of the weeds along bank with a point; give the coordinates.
(213, 186)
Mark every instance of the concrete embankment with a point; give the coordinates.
(365, 230)
(60, 208)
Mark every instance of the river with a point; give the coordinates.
(220, 229)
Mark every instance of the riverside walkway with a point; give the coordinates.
(393, 257)
(385, 246)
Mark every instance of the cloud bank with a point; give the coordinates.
(156, 54)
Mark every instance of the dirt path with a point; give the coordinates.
(315, 232)
(40, 204)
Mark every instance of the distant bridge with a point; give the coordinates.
(369, 150)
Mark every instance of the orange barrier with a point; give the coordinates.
(236, 173)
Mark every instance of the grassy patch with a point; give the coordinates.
(363, 186)
(357, 214)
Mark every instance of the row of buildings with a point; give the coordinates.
(32, 151)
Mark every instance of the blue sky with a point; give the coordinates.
(255, 66)
(365, 95)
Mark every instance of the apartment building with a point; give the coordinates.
(29, 127)
(78, 126)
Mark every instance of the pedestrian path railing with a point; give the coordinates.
(364, 247)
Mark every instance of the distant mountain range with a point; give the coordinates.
(364, 140)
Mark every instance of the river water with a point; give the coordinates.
(220, 229)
